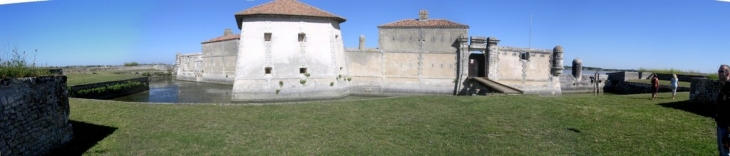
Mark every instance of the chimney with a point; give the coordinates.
(227, 32)
(423, 15)
(362, 42)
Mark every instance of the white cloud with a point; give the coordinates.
(723, 0)
(3, 2)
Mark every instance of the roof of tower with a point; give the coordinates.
(224, 38)
(286, 8)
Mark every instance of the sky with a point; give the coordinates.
(620, 34)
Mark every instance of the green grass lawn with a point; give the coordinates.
(77, 79)
(420, 125)
(661, 82)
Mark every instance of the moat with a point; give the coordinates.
(168, 90)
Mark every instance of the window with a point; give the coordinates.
(302, 70)
(303, 37)
(267, 70)
(525, 55)
(267, 36)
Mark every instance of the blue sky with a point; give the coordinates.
(625, 34)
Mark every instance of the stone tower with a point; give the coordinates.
(577, 68)
(297, 57)
(557, 67)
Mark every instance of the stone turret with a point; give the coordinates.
(557, 67)
(362, 42)
(227, 32)
(423, 15)
(577, 68)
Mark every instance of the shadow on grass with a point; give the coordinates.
(696, 108)
(86, 135)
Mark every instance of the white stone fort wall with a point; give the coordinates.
(219, 61)
(379, 72)
(418, 39)
(320, 52)
(189, 67)
(530, 73)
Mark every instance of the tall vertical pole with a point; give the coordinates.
(529, 40)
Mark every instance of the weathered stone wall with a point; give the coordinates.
(108, 94)
(626, 76)
(530, 73)
(189, 67)
(380, 72)
(704, 91)
(219, 61)
(33, 115)
(569, 84)
(420, 39)
(90, 70)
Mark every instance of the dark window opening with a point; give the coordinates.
(525, 55)
(267, 36)
(302, 37)
(267, 70)
(302, 70)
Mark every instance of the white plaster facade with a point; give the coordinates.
(295, 42)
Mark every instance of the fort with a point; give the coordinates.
(288, 50)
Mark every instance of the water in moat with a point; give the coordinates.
(168, 90)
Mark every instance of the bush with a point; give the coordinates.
(17, 66)
(129, 64)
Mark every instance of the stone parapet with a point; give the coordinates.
(704, 91)
(33, 115)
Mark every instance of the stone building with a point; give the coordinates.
(216, 64)
(415, 56)
(288, 50)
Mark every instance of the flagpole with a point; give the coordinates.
(529, 40)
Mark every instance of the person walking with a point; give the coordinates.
(722, 105)
(674, 84)
(654, 86)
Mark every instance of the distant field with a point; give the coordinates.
(661, 82)
(76, 79)
(419, 125)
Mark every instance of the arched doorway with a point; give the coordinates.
(476, 65)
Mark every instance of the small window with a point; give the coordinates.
(267, 70)
(525, 55)
(267, 36)
(302, 37)
(302, 70)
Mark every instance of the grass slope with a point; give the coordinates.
(420, 125)
(662, 82)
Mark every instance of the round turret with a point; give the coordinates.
(577, 68)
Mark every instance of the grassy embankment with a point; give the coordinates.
(662, 82)
(420, 125)
(712, 76)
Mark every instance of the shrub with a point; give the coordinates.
(281, 83)
(129, 64)
(277, 91)
(332, 83)
(302, 81)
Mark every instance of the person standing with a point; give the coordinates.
(674, 84)
(654, 86)
(723, 105)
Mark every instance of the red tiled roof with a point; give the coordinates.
(286, 7)
(431, 23)
(224, 38)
